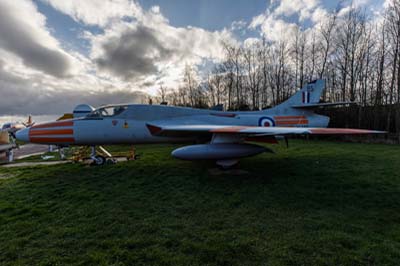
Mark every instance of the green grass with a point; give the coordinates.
(316, 203)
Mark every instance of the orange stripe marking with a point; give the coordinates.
(51, 132)
(228, 129)
(55, 124)
(290, 117)
(52, 140)
(298, 122)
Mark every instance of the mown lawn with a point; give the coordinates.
(316, 203)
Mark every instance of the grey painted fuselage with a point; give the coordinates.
(131, 125)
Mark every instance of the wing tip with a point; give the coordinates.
(344, 131)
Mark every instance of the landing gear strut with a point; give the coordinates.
(61, 151)
(227, 164)
(10, 156)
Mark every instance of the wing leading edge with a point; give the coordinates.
(187, 130)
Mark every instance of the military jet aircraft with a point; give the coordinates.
(7, 137)
(13, 127)
(220, 136)
(7, 145)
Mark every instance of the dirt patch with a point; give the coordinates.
(28, 150)
(34, 164)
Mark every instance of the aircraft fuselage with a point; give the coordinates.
(130, 126)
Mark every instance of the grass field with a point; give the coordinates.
(316, 203)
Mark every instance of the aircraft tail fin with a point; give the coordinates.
(310, 94)
(29, 122)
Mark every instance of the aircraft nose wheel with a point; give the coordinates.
(99, 160)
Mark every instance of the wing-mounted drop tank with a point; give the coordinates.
(226, 154)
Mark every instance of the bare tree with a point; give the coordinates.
(253, 74)
(393, 28)
(326, 29)
(162, 92)
(191, 84)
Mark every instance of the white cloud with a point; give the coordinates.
(24, 33)
(238, 25)
(283, 17)
(274, 23)
(302, 7)
(257, 21)
(359, 3)
(250, 42)
(319, 15)
(144, 49)
(26, 92)
(96, 12)
(387, 3)
(151, 51)
(273, 28)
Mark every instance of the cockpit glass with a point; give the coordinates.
(108, 111)
(6, 126)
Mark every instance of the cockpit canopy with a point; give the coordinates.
(108, 111)
(6, 126)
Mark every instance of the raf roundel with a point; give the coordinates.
(266, 122)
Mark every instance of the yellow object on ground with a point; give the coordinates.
(4, 137)
(66, 116)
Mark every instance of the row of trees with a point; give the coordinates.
(357, 55)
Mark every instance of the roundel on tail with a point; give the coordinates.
(266, 122)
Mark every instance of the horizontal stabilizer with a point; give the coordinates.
(318, 105)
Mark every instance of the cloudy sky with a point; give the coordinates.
(55, 54)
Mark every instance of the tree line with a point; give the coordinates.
(355, 52)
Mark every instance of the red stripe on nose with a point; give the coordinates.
(55, 124)
(51, 132)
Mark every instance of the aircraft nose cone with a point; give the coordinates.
(23, 135)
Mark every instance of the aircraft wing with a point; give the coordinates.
(6, 147)
(191, 130)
